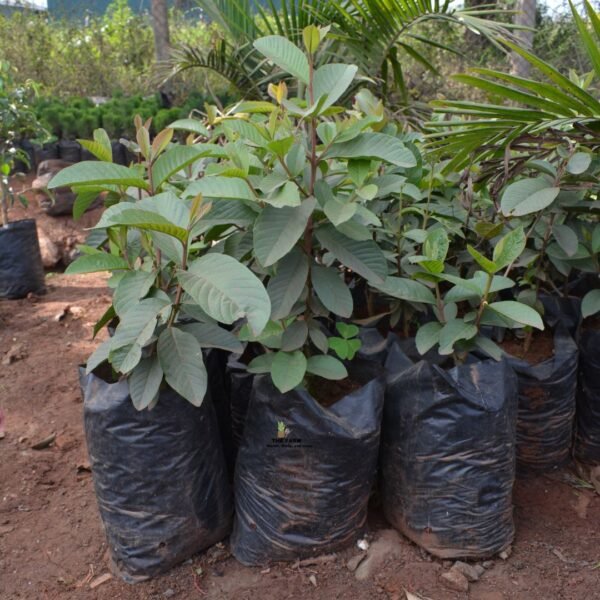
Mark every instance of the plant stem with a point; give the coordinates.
(3, 206)
(484, 300)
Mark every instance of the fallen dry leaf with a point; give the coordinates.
(100, 580)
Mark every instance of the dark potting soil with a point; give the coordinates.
(327, 392)
(541, 348)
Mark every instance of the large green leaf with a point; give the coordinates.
(327, 367)
(180, 356)
(137, 325)
(227, 290)
(151, 221)
(133, 286)
(211, 335)
(288, 370)
(125, 358)
(277, 230)
(225, 188)
(144, 382)
(285, 287)
(294, 336)
(375, 145)
(365, 257)
(224, 212)
(100, 151)
(332, 291)
(98, 356)
(332, 80)
(177, 158)
(528, 196)
(566, 238)
(94, 263)
(285, 55)
(406, 289)
(101, 174)
(518, 312)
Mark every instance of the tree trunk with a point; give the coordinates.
(525, 17)
(160, 26)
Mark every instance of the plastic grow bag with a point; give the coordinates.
(69, 151)
(587, 437)
(547, 406)
(304, 472)
(45, 152)
(21, 268)
(119, 153)
(448, 455)
(239, 387)
(159, 476)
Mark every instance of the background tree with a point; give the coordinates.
(524, 17)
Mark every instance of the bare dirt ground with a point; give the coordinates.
(51, 540)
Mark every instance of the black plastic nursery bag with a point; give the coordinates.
(304, 472)
(159, 475)
(547, 406)
(587, 437)
(21, 268)
(448, 455)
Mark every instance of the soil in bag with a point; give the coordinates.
(304, 472)
(448, 455)
(547, 391)
(21, 268)
(159, 475)
(587, 436)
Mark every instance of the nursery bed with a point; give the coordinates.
(51, 541)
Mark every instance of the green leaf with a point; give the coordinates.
(566, 238)
(227, 290)
(101, 174)
(327, 367)
(180, 357)
(105, 319)
(138, 324)
(509, 248)
(454, 331)
(487, 265)
(97, 357)
(285, 287)
(590, 304)
(406, 289)
(339, 212)
(436, 245)
(210, 335)
(83, 201)
(288, 370)
(287, 195)
(318, 338)
(527, 196)
(277, 230)
(192, 125)
(365, 258)
(223, 188)
(489, 347)
(175, 159)
(94, 263)
(261, 364)
(375, 145)
(285, 55)
(520, 313)
(295, 336)
(428, 335)
(347, 330)
(332, 291)
(332, 80)
(100, 151)
(579, 163)
(149, 220)
(125, 358)
(133, 286)
(144, 382)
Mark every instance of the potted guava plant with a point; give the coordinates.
(310, 170)
(450, 418)
(21, 268)
(146, 387)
